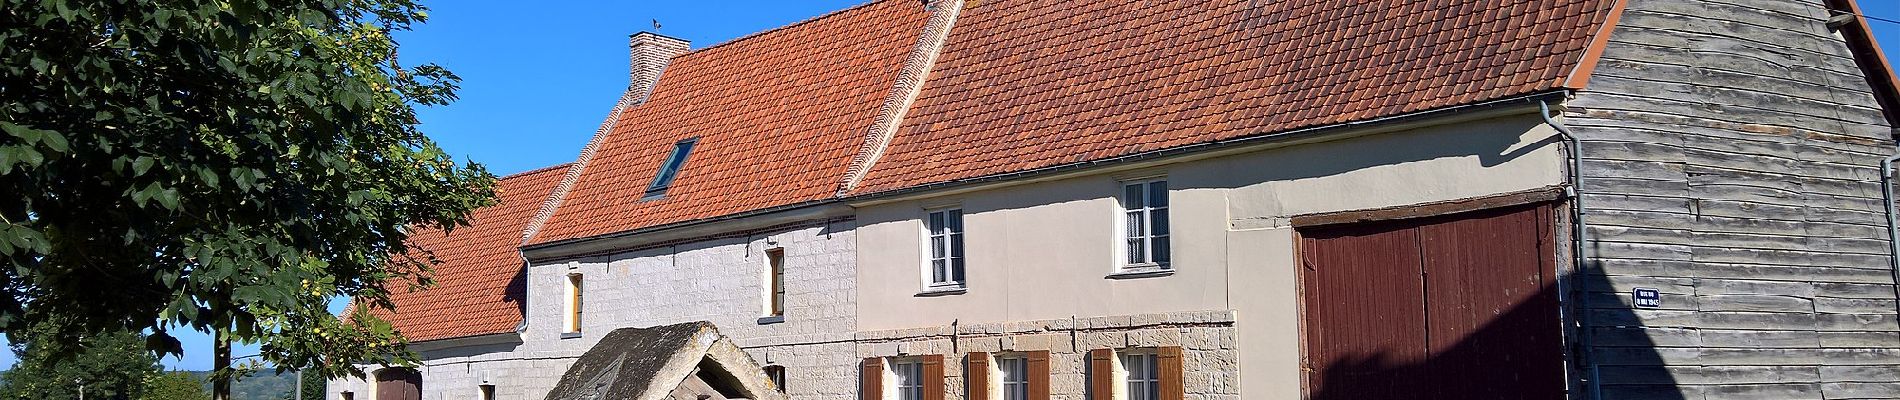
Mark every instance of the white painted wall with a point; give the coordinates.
(1044, 250)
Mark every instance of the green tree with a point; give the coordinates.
(109, 365)
(175, 385)
(220, 166)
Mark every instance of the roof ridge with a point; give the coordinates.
(537, 170)
(779, 28)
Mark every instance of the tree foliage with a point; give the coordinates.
(175, 385)
(221, 166)
(108, 365)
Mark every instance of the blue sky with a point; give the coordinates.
(538, 79)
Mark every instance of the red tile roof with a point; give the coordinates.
(778, 116)
(479, 283)
(1024, 84)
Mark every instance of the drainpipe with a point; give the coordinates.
(1575, 191)
(1893, 229)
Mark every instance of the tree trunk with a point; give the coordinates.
(220, 367)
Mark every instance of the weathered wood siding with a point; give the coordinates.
(1731, 153)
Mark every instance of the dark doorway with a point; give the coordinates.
(398, 384)
(1450, 307)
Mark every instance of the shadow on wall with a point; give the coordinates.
(1511, 353)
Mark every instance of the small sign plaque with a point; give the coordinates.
(1646, 297)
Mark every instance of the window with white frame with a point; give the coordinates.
(910, 379)
(945, 231)
(1144, 380)
(1145, 224)
(1013, 373)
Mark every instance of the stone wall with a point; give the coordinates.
(1208, 340)
(722, 280)
(1731, 153)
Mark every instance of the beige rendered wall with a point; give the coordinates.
(1045, 250)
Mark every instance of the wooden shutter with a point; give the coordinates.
(1102, 374)
(933, 377)
(1168, 367)
(871, 382)
(978, 373)
(1038, 370)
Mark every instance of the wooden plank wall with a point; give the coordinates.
(1731, 159)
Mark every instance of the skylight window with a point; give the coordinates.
(670, 169)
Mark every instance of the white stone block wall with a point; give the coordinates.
(720, 280)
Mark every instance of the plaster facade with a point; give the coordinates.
(1048, 250)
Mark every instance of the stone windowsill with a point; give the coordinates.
(943, 291)
(1138, 272)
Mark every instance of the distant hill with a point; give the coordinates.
(263, 385)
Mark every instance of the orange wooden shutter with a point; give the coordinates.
(978, 373)
(871, 384)
(1102, 374)
(933, 377)
(1168, 366)
(1038, 371)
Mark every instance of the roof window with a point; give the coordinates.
(670, 169)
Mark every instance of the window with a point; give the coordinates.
(1145, 220)
(670, 168)
(775, 264)
(945, 229)
(777, 374)
(349, 395)
(1014, 372)
(1144, 383)
(910, 380)
(574, 304)
(488, 392)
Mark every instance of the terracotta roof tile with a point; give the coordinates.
(778, 115)
(479, 287)
(1024, 84)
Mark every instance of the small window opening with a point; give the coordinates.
(776, 259)
(777, 374)
(574, 303)
(670, 169)
(488, 392)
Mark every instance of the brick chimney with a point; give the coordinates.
(651, 52)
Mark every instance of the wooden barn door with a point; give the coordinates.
(398, 384)
(1452, 307)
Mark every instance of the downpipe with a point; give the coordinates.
(1575, 191)
(1893, 229)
